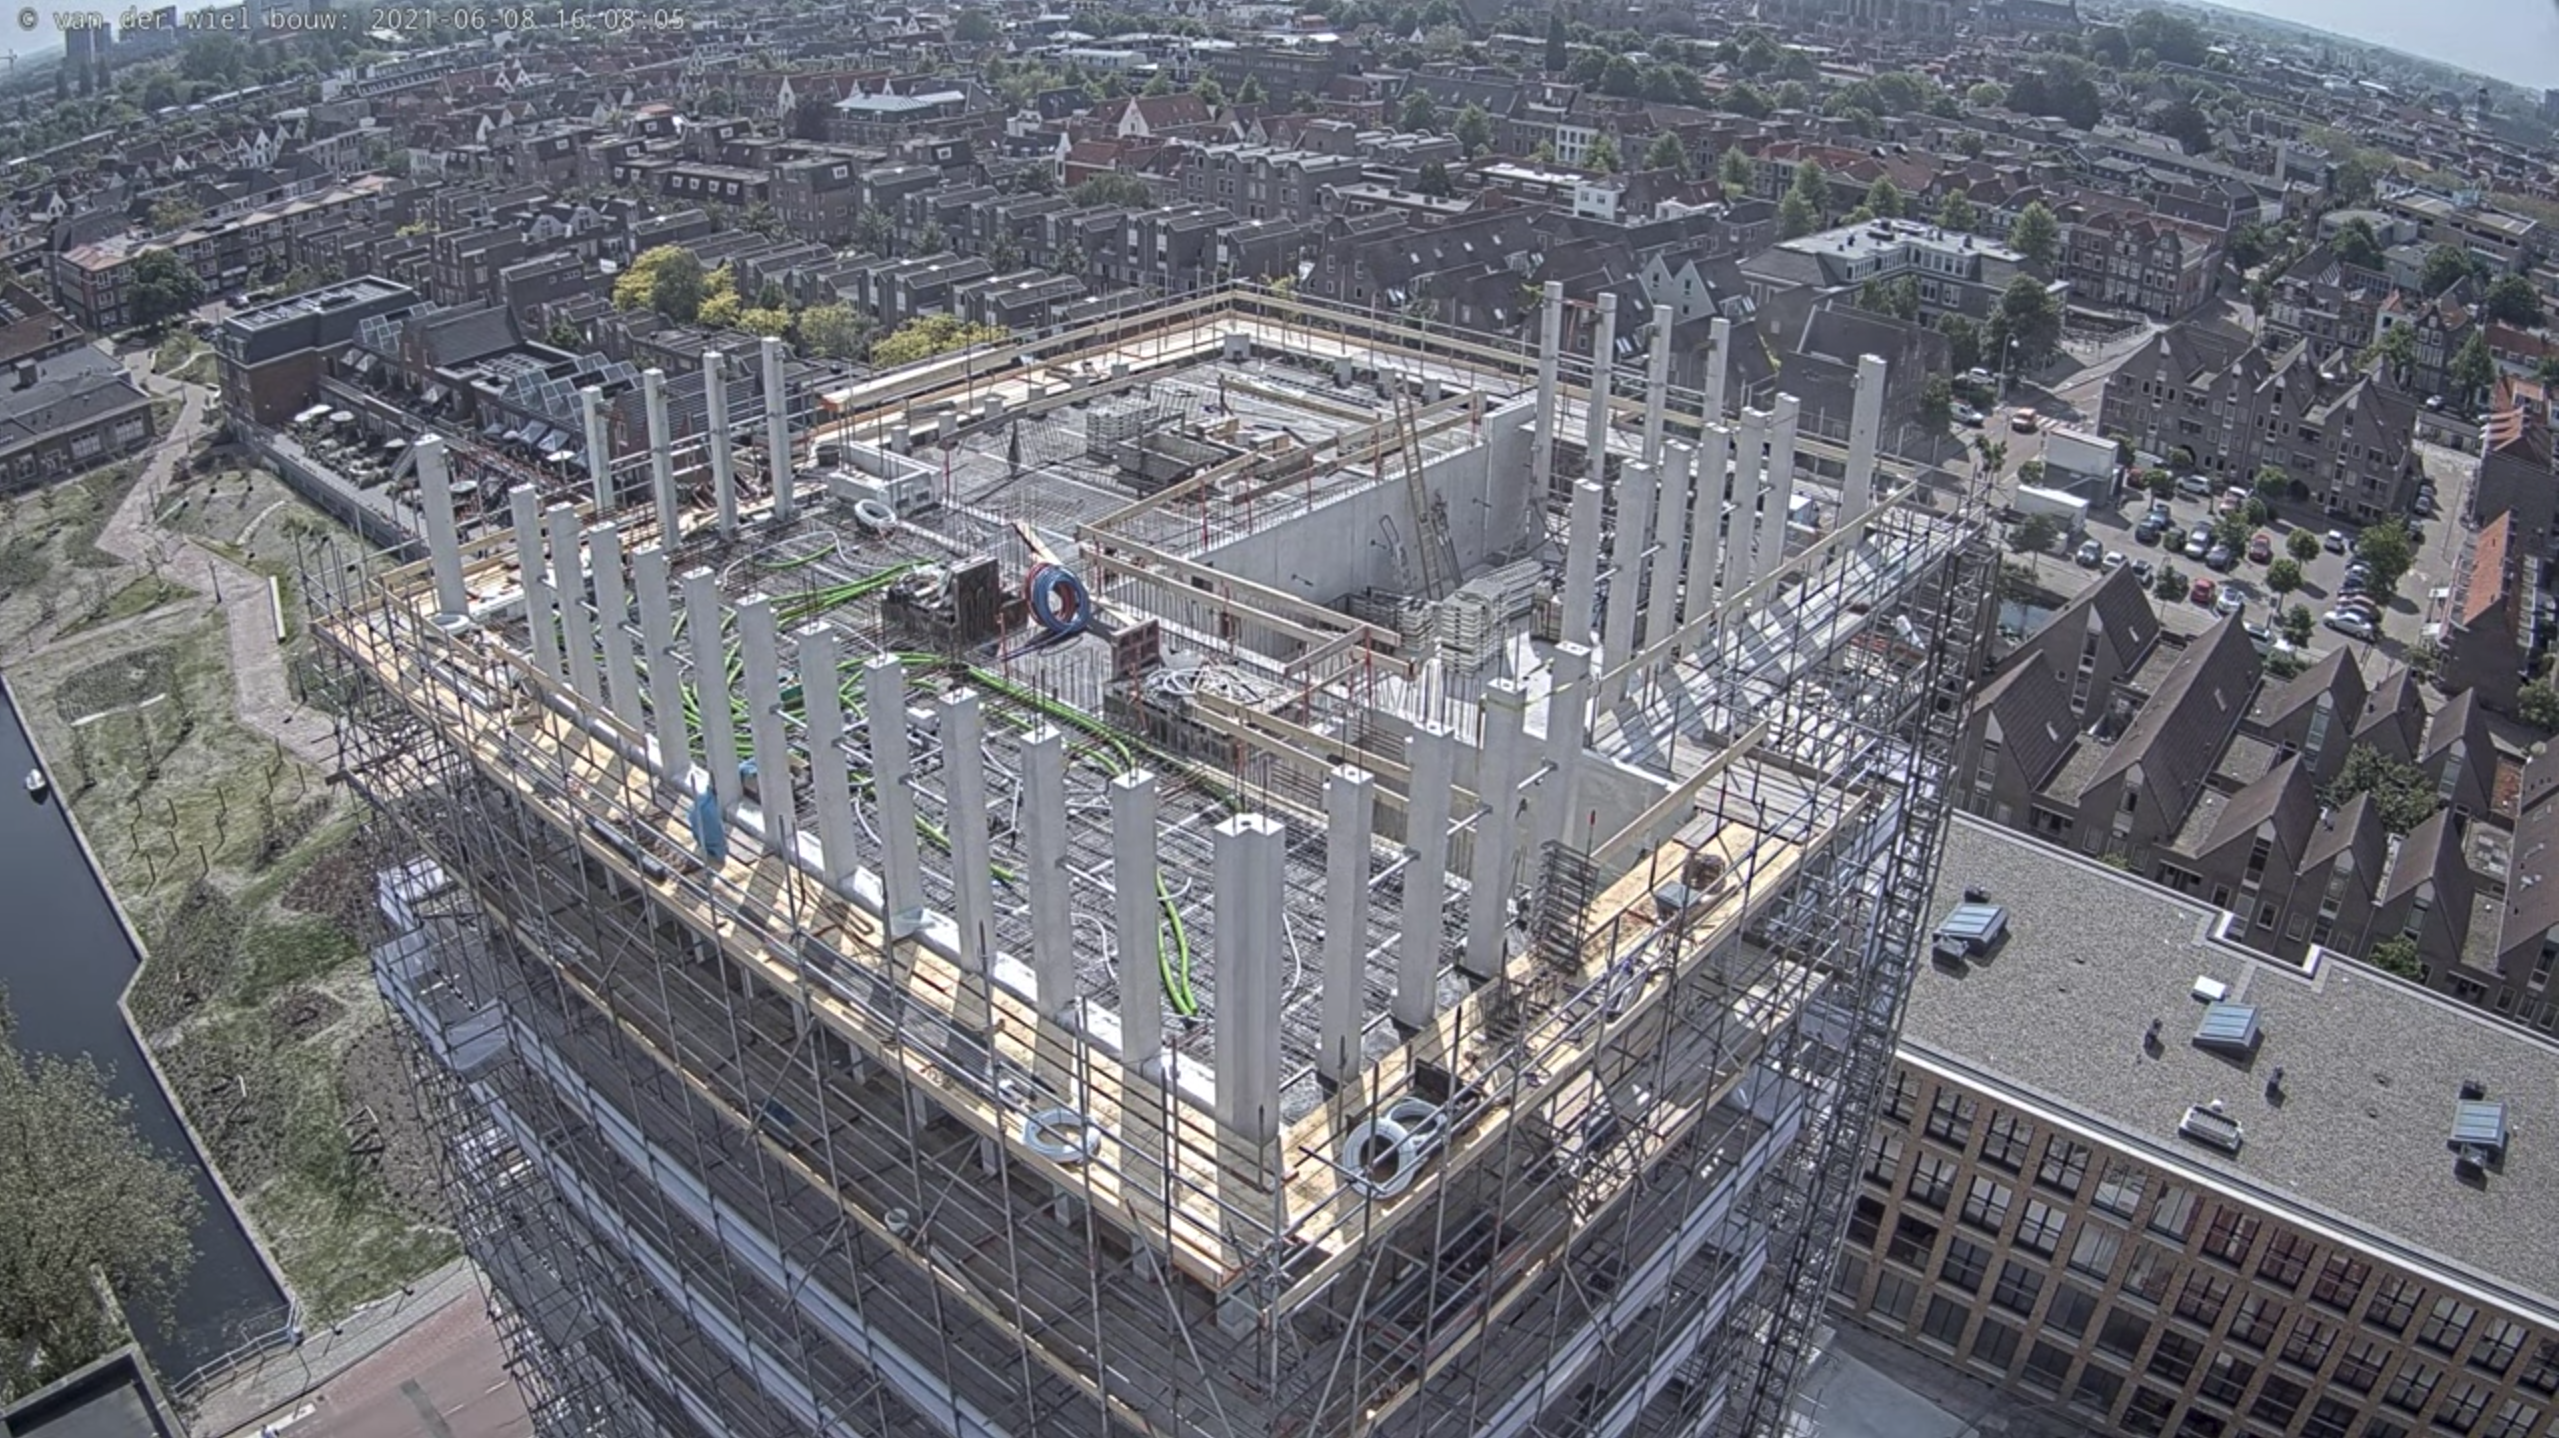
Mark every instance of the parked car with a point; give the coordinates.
(1967, 416)
(2261, 548)
(2024, 422)
(2205, 590)
(2335, 542)
(2194, 486)
(2159, 511)
(2230, 601)
(2090, 552)
(2114, 559)
(2362, 604)
(2149, 530)
(2220, 557)
(2143, 574)
(2353, 626)
(1978, 375)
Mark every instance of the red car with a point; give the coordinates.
(2261, 548)
(2204, 591)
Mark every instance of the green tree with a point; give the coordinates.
(2030, 316)
(1936, 404)
(2538, 706)
(1884, 198)
(1433, 180)
(925, 336)
(1558, 43)
(2445, 267)
(2283, 576)
(2399, 955)
(2033, 536)
(2299, 625)
(2272, 484)
(764, 320)
(1795, 218)
(975, 27)
(2357, 245)
(762, 219)
(84, 1199)
(1114, 187)
(1747, 100)
(1963, 341)
(2302, 545)
(1957, 213)
(1251, 92)
(162, 288)
(564, 333)
(1987, 95)
(1602, 156)
(1812, 183)
(2473, 368)
(2513, 300)
(834, 331)
(1735, 173)
(1474, 130)
(2036, 234)
(1418, 115)
(2401, 793)
(1161, 85)
(2387, 550)
(668, 279)
(2171, 583)
(1667, 153)
(2158, 483)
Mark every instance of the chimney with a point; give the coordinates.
(26, 374)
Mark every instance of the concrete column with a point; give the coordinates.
(613, 622)
(541, 609)
(760, 653)
(1567, 724)
(1251, 855)
(1603, 364)
(892, 780)
(1052, 907)
(1138, 920)
(599, 448)
(1432, 755)
(830, 777)
(1635, 492)
(715, 398)
(1670, 518)
(1741, 545)
(1657, 382)
(1779, 493)
(649, 576)
(972, 853)
(1581, 562)
(662, 457)
(1497, 779)
(1550, 345)
(1706, 521)
(1350, 803)
(577, 622)
(1719, 358)
(777, 431)
(443, 531)
(711, 683)
(1865, 428)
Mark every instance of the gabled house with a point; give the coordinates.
(2484, 638)
(2313, 713)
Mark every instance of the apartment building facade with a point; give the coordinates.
(226, 250)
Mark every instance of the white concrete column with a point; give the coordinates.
(1635, 492)
(541, 609)
(760, 653)
(577, 622)
(711, 683)
(1741, 546)
(1779, 493)
(656, 588)
(715, 399)
(1865, 429)
(1603, 365)
(1567, 725)
(613, 623)
(670, 510)
(1550, 346)
(972, 853)
(443, 531)
(1497, 779)
(1350, 804)
(1706, 521)
(1138, 920)
(599, 449)
(1670, 517)
(893, 794)
(1432, 755)
(1719, 358)
(1581, 562)
(1052, 894)
(777, 432)
(1657, 382)
(830, 777)
(1251, 856)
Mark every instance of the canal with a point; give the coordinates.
(65, 964)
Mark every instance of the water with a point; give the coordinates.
(64, 966)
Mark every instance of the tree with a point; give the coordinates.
(2272, 484)
(2357, 245)
(2283, 576)
(2402, 796)
(1602, 156)
(1884, 198)
(975, 27)
(2538, 706)
(1419, 115)
(1433, 180)
(2399, 955)
(764, 320)
(85, 1199)
(719, 311)
(1813, 184)
(2029, 316)
(1987, 95)
(2249, 246)
(1957, 213)
(668, 279)
(564, 333)
(2036, 234)
(925, 336)
(2386, 549)
(2445, 267)
(1963, 341)
(834, 331)
(2473, 368)
(1251, 92)
(2172, 37)
(1735, 173)
(1114, 187)
(2189, 126)
(1559, 51)
(1667, 153)
(1795, 218)
(1474, 130)
(2158, 483)
(2513, 300)
(1747, 100)
(162, 288)
(2033, 535)
(1936, 404)
(2232, 530)
(2298, 624)
(1161, 85)
(2171, 583)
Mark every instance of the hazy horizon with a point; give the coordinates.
(2516, 41)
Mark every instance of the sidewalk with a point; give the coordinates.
(271, 1386)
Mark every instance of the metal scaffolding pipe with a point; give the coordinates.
(1496, 831)
(1780, 493)
(1635, 490)
(830, 777)
(1251, 863)
(1350, 804)
(760, 655)
(1741, 545)
(1567, 723)
(541, 609)
(715, 398)
(1865, 429)
(1581, 562)
(1603, 366)
(443, 531)
(972, 853)
(777, 431)
(1706, 519)
(1657, 382)
(1550, 349)
(1052, 888)
(650, 578)
(662, 457)
(1719, 359)
(711, 684)
(1432, 756)
(1138, 920)
(1670, 516)
(599, 448)
(613, 622)
(577, 622)
(892, 786)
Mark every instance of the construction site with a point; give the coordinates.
(1248, 870)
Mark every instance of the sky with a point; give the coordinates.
(2512, 40)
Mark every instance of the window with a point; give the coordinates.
(1986, 1204)
(2286, 1259)
(2018, 1287)
(2362, 1365)
(1864, 1221)
(1995, 1344)
(1893, 1296)
(2542, 1373)
(2119, 1192)
(2329, 1419)
(2173, 1361)
(2200, 1424)
(2147, 1278)
(2202, 1298)
(2095, 1250)
(2071, 1310)
(1944, 1321)
(1950, 1118)
(2065, 1167)
(2255, 1323)
(1913, 1240)
(2148, 1411)
(2230, 1235)
(2341, 1282)
(2006, 1141)
(2515, 1419)
(1883, 1157)
(1848, 1277)
(2123, 1334)
(2098, 1389)
(2226, 1378)
(2306, 1347)
(2447, 1323)
(1932, 1181)
(2046, 1367)
(1966, 1262)
(2394, 1301)
(2460, 1412)
(2175, 1215)
(2039, 1232)
(2411, 1386)
(2278, 1401)
(2497, 1345)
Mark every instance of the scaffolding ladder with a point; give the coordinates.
(1434, 552)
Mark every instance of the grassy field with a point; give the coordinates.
(243, 869)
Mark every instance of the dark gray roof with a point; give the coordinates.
(2333, 671)
(2432, 850)
(2032, 707)
(2372, 1064)
(2532, 899)
(2394, 716)
(2178, 733)
(2353, 825)
(2286, 797)
(73, 389)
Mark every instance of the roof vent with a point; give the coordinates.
(2229, 1029)
(2207, 1124)
(2478, 1140)
(1971, 931)
(2210, 989)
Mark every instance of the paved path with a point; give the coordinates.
(424, 1361)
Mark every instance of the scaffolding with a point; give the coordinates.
(1287, 1050)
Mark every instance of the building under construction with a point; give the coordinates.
(1250, 870)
